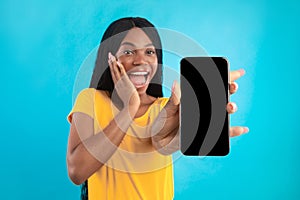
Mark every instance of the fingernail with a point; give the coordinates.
(233, 107)
(246, 129)
(109, 56)
(173, 86)
(242, 72)
(232, 86)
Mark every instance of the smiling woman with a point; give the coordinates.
(110, 148)
(123, 131)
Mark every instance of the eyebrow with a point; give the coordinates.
(131, 44)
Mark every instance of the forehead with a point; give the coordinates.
(137, 37)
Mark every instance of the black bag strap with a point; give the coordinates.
(84, 191)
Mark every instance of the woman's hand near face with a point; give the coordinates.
(87, 152)
(123, 86)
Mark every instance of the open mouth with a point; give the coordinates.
(139, 79)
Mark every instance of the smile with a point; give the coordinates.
(139, 79)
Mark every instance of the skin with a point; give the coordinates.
(87, 151)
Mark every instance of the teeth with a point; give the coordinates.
(139, 78)
(139, 73)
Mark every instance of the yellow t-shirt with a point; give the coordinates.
(136, 170)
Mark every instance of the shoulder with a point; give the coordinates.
(86, 100)
(91, 93)
(86, 92)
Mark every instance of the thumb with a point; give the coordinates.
(176, 93)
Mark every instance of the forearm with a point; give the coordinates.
(91, 153)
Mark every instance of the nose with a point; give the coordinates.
(139, 58)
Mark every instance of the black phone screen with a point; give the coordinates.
(204, 128)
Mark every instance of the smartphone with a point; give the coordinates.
(204, 123)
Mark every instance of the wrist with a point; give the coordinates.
(132, 110)
(171, 109)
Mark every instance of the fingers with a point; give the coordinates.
(231, 107)
(172, 107)
(121, 68)
(110, 64)
(238, 130)
(234, 75)
(233, 87)
(114, 68)
(176, 93)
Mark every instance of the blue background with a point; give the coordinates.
(43, 44)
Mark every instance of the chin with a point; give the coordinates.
(142, 90)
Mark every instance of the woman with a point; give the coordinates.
(116, 145)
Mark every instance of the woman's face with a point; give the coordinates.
(138, 56)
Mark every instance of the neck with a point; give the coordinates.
(146, 99)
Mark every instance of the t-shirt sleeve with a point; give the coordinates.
(164, 101)
(84, 103)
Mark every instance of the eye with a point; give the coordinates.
(150, 51)
(128, 52)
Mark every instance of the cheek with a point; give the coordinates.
(154, 68)
(154, 65)
(125, 62)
